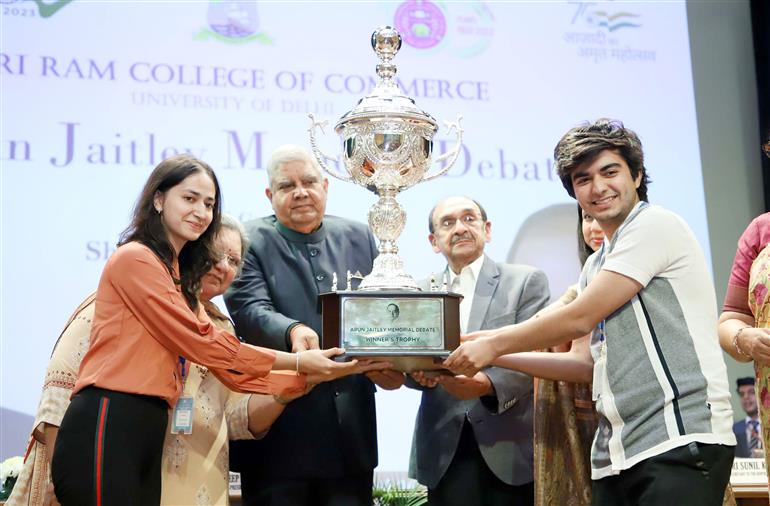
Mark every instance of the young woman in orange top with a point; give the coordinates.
(147, 324)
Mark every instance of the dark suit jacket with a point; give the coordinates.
(742, 448)
(330, 432)
(503, 427)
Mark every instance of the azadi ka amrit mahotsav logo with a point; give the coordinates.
(610, 21)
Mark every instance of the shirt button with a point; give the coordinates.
(314, 252)
(320, 277)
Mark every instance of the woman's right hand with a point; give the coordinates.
(756, 343)
(319, 366)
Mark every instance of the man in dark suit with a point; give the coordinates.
(473, 436)
(322, 450)
(748, 431)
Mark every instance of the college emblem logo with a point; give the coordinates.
(233, 22)
(421, 23)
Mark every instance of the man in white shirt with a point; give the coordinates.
(473, 435)
(660, 381)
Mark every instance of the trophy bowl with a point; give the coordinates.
(387, 147)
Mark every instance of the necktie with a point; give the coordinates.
(754, 441)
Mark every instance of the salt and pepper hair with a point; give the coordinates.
(289, 153)
(231, 223)
(584, 143)
(482, 211)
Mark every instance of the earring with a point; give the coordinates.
(160, 211)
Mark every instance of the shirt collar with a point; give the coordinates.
(474, 267)
(315, 236)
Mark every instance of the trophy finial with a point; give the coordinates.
(386, 41)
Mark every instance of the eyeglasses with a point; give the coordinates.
(232, 262)
(468, 220)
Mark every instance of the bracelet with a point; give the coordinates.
(280, 400)
(297, 367)
(735, 343)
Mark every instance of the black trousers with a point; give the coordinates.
(469, 481)
(694, 474)
(108, 451)
(346, 491)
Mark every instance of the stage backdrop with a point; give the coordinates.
(95, 94)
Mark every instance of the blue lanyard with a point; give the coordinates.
(603, 253)
(181, 364)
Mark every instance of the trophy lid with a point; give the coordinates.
(386, 100)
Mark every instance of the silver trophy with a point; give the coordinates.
(387, 147)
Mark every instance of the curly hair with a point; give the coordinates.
(196, 257)
(584, 143)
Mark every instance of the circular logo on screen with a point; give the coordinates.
(421, 23)
(233, 19)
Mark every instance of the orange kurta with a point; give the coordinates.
(142, 325)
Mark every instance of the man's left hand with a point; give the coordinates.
(465, 388)
(387, 379)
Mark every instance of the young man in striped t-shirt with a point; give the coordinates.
(660, 382)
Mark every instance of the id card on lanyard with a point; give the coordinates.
(182, 419)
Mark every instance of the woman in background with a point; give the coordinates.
(744, 326)
(34, 487)
(565, 418)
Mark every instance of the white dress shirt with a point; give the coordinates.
(465, 284)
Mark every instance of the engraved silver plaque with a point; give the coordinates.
(413, 330)
(397, 324)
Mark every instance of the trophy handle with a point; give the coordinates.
(453, 153)
(320, 156)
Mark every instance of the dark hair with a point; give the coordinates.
(584, 250)
(196, 257)
(433, 210)
(742, 382)
(584, 143)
